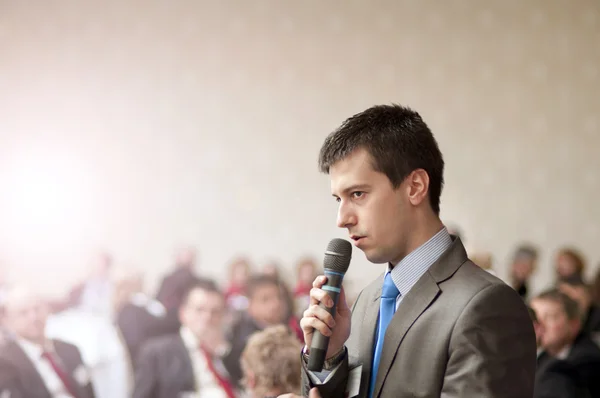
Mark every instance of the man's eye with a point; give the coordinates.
(357, 194)
(338, 200)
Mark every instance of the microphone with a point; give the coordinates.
(336, 263)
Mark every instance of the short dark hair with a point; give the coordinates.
(398, 141)
(569, 305)
(207, 285)
(258, 281)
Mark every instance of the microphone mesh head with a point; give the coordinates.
(338, 255)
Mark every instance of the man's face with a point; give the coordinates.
(26, 316)
(267, 305)
(565, 266)
(203, 311)
(558, 330)
(377, 216)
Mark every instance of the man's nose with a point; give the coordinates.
(346, 217)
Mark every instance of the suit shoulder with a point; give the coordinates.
(161, 343)
(471, 279)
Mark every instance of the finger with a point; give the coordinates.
(316, 311)
(319, 281)
(309, 325)
(314, 393)
(318, 296)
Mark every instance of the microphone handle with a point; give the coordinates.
(320, 343)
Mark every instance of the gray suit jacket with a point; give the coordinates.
(459, 332)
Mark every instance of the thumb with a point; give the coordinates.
(314, 393)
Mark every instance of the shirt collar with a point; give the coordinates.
(410, 269)
(564, 353)
(189, 340)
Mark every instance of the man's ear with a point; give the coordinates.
(417, 186)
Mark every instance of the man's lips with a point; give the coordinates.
(356, 238)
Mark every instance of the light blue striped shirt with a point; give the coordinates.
(412, 267)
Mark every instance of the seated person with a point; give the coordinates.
(266, 307)
(32, 365)
(570, 361)
(194, 362)
(271, 364)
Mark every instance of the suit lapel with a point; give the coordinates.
(70, 364)
(422, 294)
(185, 371)
(367, 334)
(412, 306)
(31, 381)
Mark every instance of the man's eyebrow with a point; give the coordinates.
(353, 188)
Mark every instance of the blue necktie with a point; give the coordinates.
(387, 308)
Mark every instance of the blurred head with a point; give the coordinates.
(306, 270)
(560, 319)
(523, 263)
(386, 173)
(239, 271)
(203, 307)
(266, 304)
(578, 291)
(186, 257)
(26, 314)
(568, 263)
(271, 364)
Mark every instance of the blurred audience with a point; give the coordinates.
(31, 365)
(194, 340)
(521, 269)
(271, 364)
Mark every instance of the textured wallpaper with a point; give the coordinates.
(142, 125)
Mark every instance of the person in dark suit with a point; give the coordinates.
(32, 366)
(522, 267)
(434, 323)
(138, 316)
(569, 364)
(174, 285)
(195, 360)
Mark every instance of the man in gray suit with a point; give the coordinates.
(433, 324)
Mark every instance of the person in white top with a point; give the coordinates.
(32, 365)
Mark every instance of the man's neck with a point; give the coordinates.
(420, 236)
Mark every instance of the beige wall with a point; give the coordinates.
(151, 124)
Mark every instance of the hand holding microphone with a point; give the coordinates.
(326, 322)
